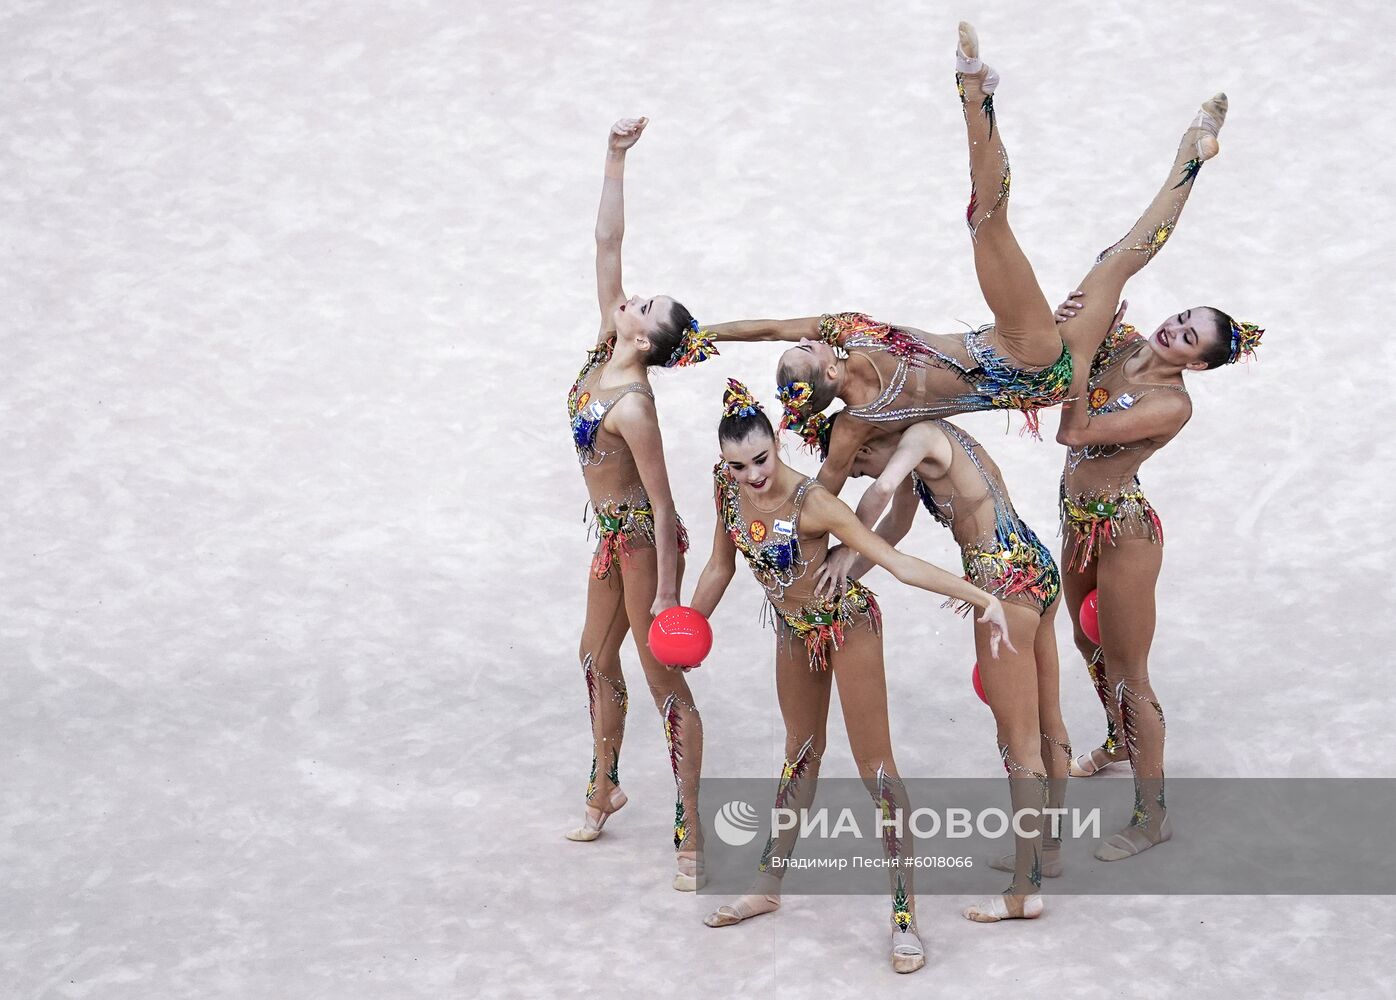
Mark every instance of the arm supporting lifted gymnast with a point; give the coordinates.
(920, 444)
(846, 437)
(1156, 417)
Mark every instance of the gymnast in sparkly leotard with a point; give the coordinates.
(938, 465)
(1127, 401)
(780, 521)
(1110, 529)
(637, 565)
(1130, 403)
(890, 376)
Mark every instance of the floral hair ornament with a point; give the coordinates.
(1245, 338)
(693, 348)
(738, 401)
(794, 398)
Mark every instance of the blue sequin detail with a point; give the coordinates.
(584, 432)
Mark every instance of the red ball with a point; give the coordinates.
(1090, 616)
(680, 637)
(979, 686)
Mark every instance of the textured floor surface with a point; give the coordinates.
(291, 559)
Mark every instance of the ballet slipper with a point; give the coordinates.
(1130, 841)
(1209, 121)
(908, 954)
(744, 908)
(1085, 765)
(690, 876)
(991, 911)
(1051, 863)
(967, 61)
(592, 824)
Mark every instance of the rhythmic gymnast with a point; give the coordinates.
(890, 377)
(1127, 401)
(938, 464)
(780, 521)
(638, 563)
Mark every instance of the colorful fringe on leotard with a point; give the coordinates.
(821, 625)
(1010, 388)
(620, 527)
(1089, 520)
(1020, 571)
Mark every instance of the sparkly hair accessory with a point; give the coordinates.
(738, 401)
(1245, 338)
(692, 348)
(812, 427)
(794, 396)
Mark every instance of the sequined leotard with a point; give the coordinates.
(1000, 553)
(787, 565)
(940, 375)
(1101, 499)
(622, 516)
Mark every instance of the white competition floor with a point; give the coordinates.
(291, 560)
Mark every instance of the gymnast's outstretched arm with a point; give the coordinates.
(918, 444)
(755, 330)
(844, 563)
(610, 221)
(827, 513)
